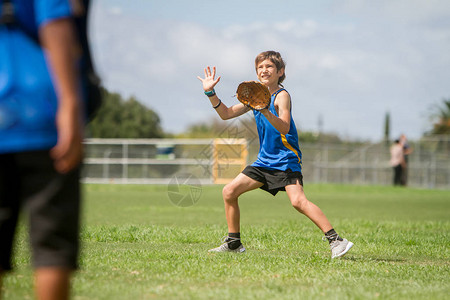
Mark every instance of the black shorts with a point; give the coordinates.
(52, 201)
(273, 180)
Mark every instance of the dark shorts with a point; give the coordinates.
(52, 202)
(273, 180)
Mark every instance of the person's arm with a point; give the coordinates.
(281, 123)
(225, 112)
(60, 43)
(408, 150)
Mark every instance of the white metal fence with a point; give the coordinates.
(369, 164)
(157, 161)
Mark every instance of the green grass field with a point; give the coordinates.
(138, 245)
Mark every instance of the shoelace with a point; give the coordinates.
(231, 239)
(332, 237)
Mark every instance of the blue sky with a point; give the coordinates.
(348, 62)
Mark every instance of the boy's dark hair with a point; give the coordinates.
(274, 57)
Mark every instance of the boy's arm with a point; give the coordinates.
(59, 40)
(283, 122)
(226, 112)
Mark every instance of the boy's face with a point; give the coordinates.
(267, 72)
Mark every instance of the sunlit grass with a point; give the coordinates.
(138, 245)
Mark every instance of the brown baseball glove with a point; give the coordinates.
(254, 94)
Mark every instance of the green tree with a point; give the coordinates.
(119, 118)
(440, 118)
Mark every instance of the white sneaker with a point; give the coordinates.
(340, 248)
(225, 248)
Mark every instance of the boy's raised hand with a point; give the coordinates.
(209, 82)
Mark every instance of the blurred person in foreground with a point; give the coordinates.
(397, 162)
(41, 138)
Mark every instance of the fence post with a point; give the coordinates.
(125, 161)
(144, 165)
(448, 177)
(215, 161)
(362, 161)
(375, 171)
(106, 164)
(433, 171)
(317, 167)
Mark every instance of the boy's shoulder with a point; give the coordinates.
(281, 94)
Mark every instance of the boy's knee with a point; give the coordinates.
(299, 204)
(228, 193)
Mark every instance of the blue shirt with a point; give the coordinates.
(28, 101)
(277, 151)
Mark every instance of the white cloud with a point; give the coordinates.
(350, 71)
(115, 10)
(399, 10)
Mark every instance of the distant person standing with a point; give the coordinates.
(397, 161)
(407, 150)
(41, 131)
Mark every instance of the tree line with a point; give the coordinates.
(124, 118)
(129, 118)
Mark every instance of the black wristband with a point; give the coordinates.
(218, 104)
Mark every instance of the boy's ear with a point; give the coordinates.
(281, 72)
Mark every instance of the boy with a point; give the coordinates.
(278, 166)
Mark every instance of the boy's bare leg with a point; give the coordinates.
(338, 245)
(302, 204)
(231, 192)
(52, 283)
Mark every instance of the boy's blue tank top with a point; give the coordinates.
(28, 101)
(277, 151)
